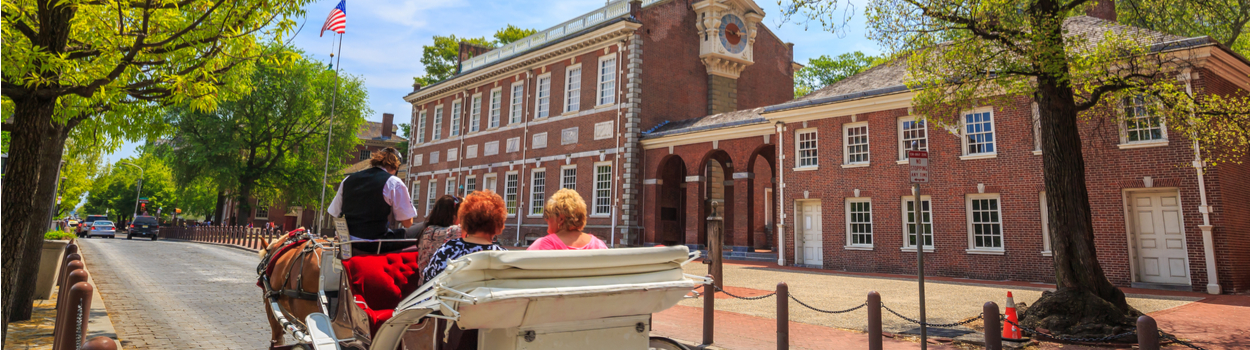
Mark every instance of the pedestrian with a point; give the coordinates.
(565, 214)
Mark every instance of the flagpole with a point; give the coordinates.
(325, 174)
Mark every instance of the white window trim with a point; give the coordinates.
(491, 110)
(902, 150)
(430, 196)
(570, 166)
(475, 119)
(968, 216)
(599, 102)
(797, 158)
(594, 196)
(421, 125)
(436, 133)
(454, 186)
(516, 114)
(846, 212)
(262, 214)
(485, 180)
(1045, 223)
(1126, 144)
(504, 194)
(903, 219)
(537, 91)
(456, 109)
(846, 145)
(466, 183)
(533, 178)
(415, 197)
(963, 139)
(567, 83)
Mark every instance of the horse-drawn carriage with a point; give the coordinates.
(594, 299)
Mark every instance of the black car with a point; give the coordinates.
(143, 226)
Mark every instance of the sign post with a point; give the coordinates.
(919, 173)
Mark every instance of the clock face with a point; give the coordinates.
(731, 33)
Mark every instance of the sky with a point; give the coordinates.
(384, 38)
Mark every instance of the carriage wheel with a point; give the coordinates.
(661, 343)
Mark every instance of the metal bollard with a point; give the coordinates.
(783, 316)
(709, 309)
(75, 263)
(874, 321)
(70, 249)
(1147, 333)
(100, 343)
(62, 308)
(60, 277)
(993, 327)
(72, 327)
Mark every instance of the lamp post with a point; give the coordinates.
(138, 189)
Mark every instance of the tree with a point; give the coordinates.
(68, 61)
(1226, 21)
(405, 130)
(82, 165)
(968, 53)
(441, 58)
(824, 70)
(270, 144)
(114, 191)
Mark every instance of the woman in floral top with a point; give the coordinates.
(482, 217)
(440, 227)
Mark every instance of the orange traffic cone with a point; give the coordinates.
(1010, 330)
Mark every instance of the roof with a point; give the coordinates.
(373, 131)
(715, 121)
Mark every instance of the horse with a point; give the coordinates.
(289, 275)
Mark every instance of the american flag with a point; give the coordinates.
(337, 21)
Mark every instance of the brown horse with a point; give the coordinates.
(293, 277)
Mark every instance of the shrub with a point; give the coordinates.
(58, 235)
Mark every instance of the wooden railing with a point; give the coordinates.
(253, 238)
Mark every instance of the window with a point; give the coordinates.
(603, 189)
(1140, 123)
(470, 184)
(495, 97)
(543, 107)
(856, 143)
(450, 188)
(509, 191)
(909, 222)
(470, 151)
(985, 230)
(429, 195)
(437, 133)
(539, 141)
(488, 182)
(572, 88)
(859, 222)
(433, 157)
(366, 154)
(979, 132)
(568, 177)
(911, 134)
(516, 103)
(1045, 223)
(455, 118)
(421, 128)
(262, 211)
(607, 80)
(475, 114)
(416, 194)
(538, 191)
(807, 148)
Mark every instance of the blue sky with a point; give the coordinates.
(384, 38)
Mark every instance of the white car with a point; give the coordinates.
(102, 228)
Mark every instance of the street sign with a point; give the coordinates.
(919, 161)
(143, 200)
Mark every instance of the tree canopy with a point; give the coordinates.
(824, 70)
(441, 56)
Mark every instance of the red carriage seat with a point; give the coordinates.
(380, 282)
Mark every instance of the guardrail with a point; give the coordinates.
(73, 306)
(253, 238)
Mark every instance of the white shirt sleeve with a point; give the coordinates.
(336, 206)
(396, 195)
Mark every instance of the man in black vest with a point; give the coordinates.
(370, 198)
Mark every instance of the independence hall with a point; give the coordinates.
(657, 110)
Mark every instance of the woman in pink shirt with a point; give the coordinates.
(565, 214)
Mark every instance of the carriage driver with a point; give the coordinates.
(370, 198)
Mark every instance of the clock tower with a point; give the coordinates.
(727, 30)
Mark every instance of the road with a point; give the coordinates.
(177, 295)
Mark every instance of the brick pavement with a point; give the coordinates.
(174, 295)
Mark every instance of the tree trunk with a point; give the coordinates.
(219, 213)
(31, 116)
(244, 208)
(28, 270)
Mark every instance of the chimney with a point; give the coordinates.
(1104, 9)
(387, 120)
(416, 87)
(468, 51)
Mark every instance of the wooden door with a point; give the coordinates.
(813, 235)
(1160, 237)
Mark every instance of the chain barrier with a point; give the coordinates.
(827, 311)
(1178, 341)
(926, 324)
(762, 297)
(1105, 339)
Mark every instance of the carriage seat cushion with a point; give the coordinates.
(379, 282)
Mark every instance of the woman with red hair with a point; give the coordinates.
(482, 215)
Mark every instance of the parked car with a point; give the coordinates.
(85, 225)
(143, 226)
(102, 228)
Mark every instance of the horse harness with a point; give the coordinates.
(266, 266)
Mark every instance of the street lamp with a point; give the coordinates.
(138, 189)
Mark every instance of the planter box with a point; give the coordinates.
(49, 267)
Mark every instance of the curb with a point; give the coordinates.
(98, 324)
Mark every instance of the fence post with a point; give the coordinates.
(73, 327)
(783, 316)
(874, 321)
(993, 329)
(1147, 333)
(709, 309)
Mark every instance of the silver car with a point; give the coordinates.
(102, 228)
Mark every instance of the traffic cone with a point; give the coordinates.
(1010, 330)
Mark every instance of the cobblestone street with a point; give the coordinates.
(177, 295)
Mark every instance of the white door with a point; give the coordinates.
(1160, 238)
(813, 240)
(490, 184)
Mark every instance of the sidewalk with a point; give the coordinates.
(737, 331)
(36, 333)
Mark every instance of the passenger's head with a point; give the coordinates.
(445, 210)
(565, 211)
(483, 212)
(387, 158)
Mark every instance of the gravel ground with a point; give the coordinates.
(947, 302)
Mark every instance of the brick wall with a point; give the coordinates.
(1228, 193)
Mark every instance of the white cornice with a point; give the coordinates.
(1229, 67)
(737, 132)
(843, 108)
